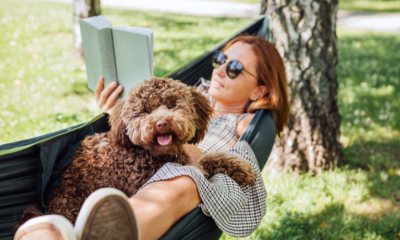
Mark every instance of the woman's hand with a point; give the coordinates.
(104, 100)
(193, 151)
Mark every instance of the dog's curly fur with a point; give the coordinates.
(129, 154)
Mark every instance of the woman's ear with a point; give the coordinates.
(118, 127)
(259, 92)
(203, 111)
(263, 90)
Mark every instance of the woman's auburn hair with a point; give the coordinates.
(271, 73)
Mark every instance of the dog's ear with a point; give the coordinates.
(118, 127)
(203, 112)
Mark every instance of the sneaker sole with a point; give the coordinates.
(59, 225)
(107, 214)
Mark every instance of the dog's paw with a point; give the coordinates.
(229, 164)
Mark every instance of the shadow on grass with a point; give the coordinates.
(332, 222)
(369, 96)
(374, 155)
(79, 88)
(171, 56)
(160, 19)
(381, 160)
(369, 80)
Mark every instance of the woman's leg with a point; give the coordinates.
(161, 204)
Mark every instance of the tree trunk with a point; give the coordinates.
(305, 35)
(263, 8)
(82, 9)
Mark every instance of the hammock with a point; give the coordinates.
(30, 169)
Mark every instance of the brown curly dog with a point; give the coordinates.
(148, 129)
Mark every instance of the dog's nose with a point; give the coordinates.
(162, 125)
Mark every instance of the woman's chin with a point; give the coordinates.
(215, 93)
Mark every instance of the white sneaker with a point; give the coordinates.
(107, 214)
(46, 227)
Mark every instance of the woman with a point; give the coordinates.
(248, 75)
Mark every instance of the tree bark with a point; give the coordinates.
(305, 35)
(263, 8)
(82, 9)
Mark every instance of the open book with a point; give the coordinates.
(122, 54)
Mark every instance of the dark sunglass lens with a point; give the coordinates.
(233, 69)
(218, 59)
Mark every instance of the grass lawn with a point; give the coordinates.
(42, 90)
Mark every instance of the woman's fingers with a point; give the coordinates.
(99, 88)
(106, 93)
(105, 98)
(112, 99)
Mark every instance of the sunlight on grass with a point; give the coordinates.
(369, 96)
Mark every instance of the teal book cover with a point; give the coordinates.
(122, 54)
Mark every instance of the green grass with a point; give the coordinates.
(388, 6)
(42, 90)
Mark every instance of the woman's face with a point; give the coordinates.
(242, 88)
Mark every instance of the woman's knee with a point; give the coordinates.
(180, 189)
(182, 196)
(163, 203)
(177, 191)
(184, 185)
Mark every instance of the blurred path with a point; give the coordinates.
(189, 7)
(386, 22)
(346, 19)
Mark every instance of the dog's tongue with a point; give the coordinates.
(164, 140)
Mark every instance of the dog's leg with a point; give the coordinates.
(229, 164)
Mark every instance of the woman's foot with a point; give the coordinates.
(46, 227)
(107, 214)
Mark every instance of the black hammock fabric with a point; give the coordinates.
(30, 169)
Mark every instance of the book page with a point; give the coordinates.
(149, 33)
(98, 50)
(132, 56)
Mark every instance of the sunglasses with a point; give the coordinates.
(233, 68)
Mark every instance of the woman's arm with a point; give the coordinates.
(193, 151)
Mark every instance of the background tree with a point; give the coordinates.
(82, 9)
(305, 35)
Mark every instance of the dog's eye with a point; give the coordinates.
(171, 106)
